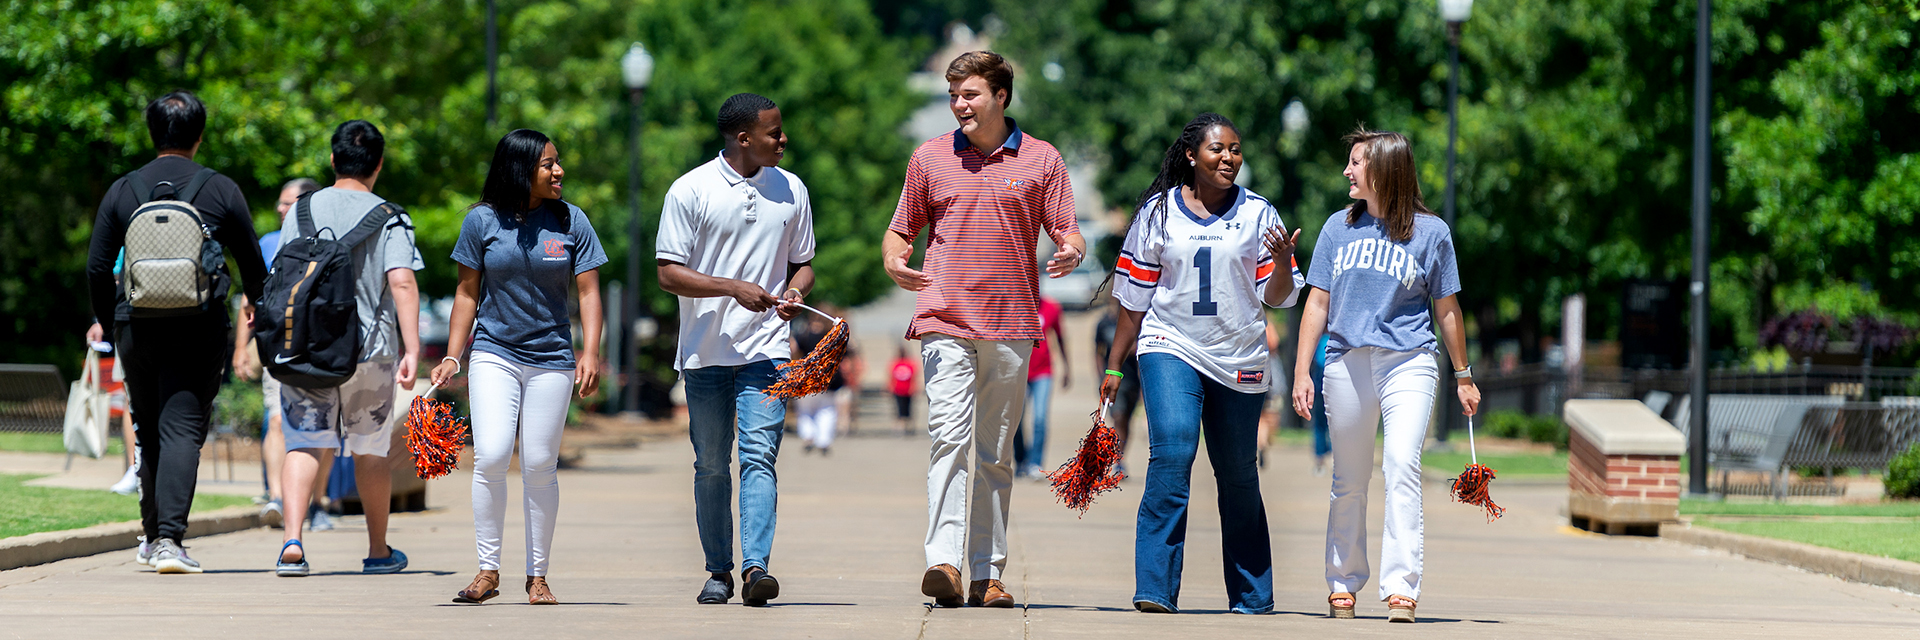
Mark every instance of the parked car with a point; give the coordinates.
(1074, 291)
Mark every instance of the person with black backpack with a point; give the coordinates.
(168, 318)
(339, 327)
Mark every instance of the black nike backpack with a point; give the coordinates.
(307, 324)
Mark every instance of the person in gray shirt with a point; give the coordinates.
(1378, 266)
(357, 415)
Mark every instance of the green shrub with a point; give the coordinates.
(1505, 424)
(1903, 474)
(1913, 385)
(242, 405)
(1549, 430)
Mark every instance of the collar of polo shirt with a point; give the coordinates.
(734, 178)
(960, 142)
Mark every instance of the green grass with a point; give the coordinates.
(1504, 464)
(48, 443)
(36, 509)
(1891, 509)
(1899, 540)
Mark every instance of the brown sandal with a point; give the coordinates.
(1400, 609)
(1338, 611)
(537, 591)
(485, 586)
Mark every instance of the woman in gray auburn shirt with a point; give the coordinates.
(520, 248)
(1377, 268)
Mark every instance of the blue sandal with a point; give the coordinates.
(286, 569)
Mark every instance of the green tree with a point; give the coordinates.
(277, 76)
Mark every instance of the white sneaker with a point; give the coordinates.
(145, 556)
(129, 483)
(317, 520)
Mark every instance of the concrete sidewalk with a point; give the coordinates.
(848, 555)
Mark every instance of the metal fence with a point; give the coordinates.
(33, 397)
(1541, 390)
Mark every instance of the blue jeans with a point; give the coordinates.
(1181, 403)
(1039, 395)
(716, 397)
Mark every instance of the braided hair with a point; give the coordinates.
(1175, 171)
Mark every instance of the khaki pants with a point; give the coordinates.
(976, 395)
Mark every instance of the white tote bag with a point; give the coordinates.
(87, 412)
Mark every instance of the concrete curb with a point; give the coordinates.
(51, 546)
(1874, 570)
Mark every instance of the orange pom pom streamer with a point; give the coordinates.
(1471, 488)
(434, 436)
(811, 374)
(1093, 469)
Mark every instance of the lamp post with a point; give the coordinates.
(1702, 113)
(1454, 12)
(636, 69)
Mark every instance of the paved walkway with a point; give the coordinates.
(848, 554)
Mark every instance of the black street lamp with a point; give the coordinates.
(636, 68)
(1702, 115)
(1453, 12)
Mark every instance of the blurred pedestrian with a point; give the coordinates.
(818, 415)
(985, 191)
(521, 249)
(732, 232)
(1199, 262)
(1031, 449)
(273, 444)
(1125, 397)
(172, 330)
(1381, 263)
(901, 376)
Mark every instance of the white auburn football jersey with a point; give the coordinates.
(1199, 282)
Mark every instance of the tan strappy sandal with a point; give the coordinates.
(1400, 609)
(537, 591)
(1335, 610)
(485, 586)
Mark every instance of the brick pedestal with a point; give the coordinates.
(1623, 470)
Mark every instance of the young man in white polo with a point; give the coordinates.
(736, 244)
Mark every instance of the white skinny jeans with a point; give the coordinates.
(818, 418)
(1367, 387)
(510, 399)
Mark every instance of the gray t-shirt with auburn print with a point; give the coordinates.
(1380, 291)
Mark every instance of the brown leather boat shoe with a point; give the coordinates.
(942, 583)
(989, 593)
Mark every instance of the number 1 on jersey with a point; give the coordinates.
(1205, 306)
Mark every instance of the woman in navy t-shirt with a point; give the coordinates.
(1377, 267)
(520, 248)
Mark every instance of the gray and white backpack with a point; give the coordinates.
(173, 265)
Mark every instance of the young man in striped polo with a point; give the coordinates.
(978, 315)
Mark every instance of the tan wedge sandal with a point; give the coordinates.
(537, 591)
(1400, 609)
(485, 586)
(1336, 610)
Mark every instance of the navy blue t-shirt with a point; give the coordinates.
(525, 272)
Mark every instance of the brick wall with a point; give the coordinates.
(1649, 477)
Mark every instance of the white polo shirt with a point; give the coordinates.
(722, 224)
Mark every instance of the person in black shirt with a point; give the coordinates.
(173, 364)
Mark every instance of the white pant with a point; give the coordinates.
(1364, 388)
(818, 415)
(976, 394)
(508, 400)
